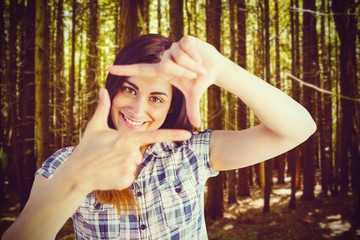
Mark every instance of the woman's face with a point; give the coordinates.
(142, 103)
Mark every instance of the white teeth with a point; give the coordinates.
(132, 122)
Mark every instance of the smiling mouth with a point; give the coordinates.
(132, 123)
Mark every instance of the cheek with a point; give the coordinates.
(115, 105)
(164, 112)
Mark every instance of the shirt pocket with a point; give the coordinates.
(92, 221)
(179, 202)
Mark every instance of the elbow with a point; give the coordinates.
(7, 235)
(311, 126)
(308, 129)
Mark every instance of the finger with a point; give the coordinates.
(193, 109)
(189, 45)
(184, 59)
(171, 68)
(165, 70)
(100, 117)
(162, 135)
(139, 69)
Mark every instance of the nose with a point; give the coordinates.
(138, 107)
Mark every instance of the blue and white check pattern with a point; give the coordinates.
(169, 189)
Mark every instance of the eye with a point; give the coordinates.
(155, 99)
(128, 90)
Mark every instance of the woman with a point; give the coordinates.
(134, 181)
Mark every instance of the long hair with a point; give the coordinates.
(144, 49)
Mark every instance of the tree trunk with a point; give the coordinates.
(176, 19)
(243, 188)
(71, 106)
(2, 93)
(159, 16)
(42, 133)
(92, 69)
(280, 160)
(310, 71)
(346, 27)
(231, 109)
(294, 154)
(268, 163)
(27, 108)
(15, 143)
(243, 174)
(129, 28)
(325, 118)
(214, 208)
(59, 85)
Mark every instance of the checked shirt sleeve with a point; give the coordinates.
(200, 144)
(49, 167)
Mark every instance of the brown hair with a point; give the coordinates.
(144, 49)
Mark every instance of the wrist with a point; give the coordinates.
(69, 176)
(223, 71)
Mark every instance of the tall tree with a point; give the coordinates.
(231, 123)
(310, 75)
(2, 93)
(176, 19)
(59, 85)
(280, 160)
(214, 208)
(346, 27)
(92, 69)
(129, 28)
(268, 164)
(13, 83)
(325, 109)
(27, 104)
(243, 189)
(71, 89)
(294, 154)
(42, 134)
(159, 16)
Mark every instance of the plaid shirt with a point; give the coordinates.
(169, 189)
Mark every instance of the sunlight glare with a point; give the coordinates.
(228, 227)
(282, 191)
(337, 226)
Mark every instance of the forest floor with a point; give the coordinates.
(323, 218)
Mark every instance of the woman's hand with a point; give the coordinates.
(190, 64)
(106, 158)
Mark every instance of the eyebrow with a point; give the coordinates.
(137, 89)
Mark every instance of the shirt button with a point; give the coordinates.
(178, 189)
(142, 226)
(139, 194)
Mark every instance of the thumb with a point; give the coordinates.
(100, 117)
(193, 109)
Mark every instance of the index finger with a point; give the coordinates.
(138, 69)
(162, 135)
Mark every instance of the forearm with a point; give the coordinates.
(52, 202)
(276, 110)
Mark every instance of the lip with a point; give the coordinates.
(131, 123)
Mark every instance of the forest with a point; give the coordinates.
(53, 61)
